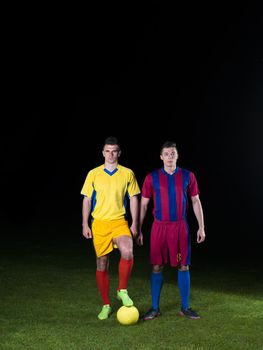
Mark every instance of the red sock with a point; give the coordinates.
(103, 283)
(125, 268)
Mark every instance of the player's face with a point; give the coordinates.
(111, 153)
(169, 156)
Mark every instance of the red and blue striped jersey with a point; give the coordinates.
(170, 193)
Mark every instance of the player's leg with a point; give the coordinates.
(103, 283)
(103, 246)
(184, 287)
(183, 271)
(158, 257)
(156, 287)
(125, 246)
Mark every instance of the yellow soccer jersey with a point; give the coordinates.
(109, 191)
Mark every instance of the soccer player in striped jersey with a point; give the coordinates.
(107, 191)
(170, 187)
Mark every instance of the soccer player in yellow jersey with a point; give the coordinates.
(107, 190)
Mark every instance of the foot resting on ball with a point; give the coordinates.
(122, 295)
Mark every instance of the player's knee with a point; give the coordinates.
(126, 253)
(157, 268)
(183, 268)
(102, 264)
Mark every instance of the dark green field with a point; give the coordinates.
(49, 298)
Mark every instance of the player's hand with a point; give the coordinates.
(139, 239)
(200, 235)
(134, 230)
(86, 231)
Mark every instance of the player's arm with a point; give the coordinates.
(198, 211)
(143, 211)
(134, 209)
(86, 207)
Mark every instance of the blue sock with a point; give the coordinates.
(156, 286)
(184, 287)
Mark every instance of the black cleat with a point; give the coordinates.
(189, 313)
(151, 314)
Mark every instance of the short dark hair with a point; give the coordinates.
(168, 144)
(112, 140)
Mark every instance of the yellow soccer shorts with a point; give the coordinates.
(104, 232)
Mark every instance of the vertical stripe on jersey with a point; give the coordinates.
(178, 184)
(125, 202)
(93, 201)
(156, 186)
(172, 198)
(186, 178)
(165, 195)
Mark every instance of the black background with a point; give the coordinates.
(145, 74)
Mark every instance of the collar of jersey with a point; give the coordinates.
(176, 170)
(110, 172)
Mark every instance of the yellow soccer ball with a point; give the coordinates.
(128, 315)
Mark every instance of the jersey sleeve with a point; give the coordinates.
(133, 187)
(88, 187)
(193, 186)
(147, 188)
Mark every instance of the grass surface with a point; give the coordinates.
(49, 299)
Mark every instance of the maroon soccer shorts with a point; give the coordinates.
(170, 241)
